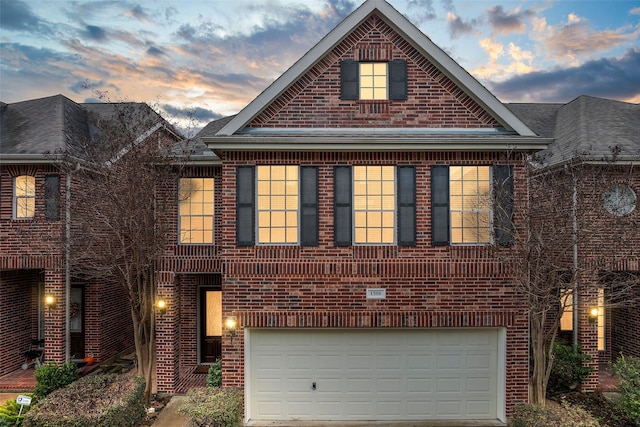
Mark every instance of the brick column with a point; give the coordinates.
(54, 320)
(588, 332)
(167, 348)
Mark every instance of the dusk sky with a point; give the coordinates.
(213, 57)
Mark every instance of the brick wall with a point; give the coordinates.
(434, 101)
(324, 286)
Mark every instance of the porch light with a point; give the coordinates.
(231, 323)
(49, 301)
(593, 315)
(161, 306)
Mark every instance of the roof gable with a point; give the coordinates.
(375, 18)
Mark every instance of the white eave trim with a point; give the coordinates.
(377, 144)
(412, 34)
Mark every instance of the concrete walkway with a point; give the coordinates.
(168, 416)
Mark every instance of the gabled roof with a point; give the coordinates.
(412, 35)
(588, 128)
(39, 128)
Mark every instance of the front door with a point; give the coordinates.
(210, 324)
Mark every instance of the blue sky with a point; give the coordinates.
(213, 57)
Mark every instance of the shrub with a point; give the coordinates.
(9, 413)
(214, 377)
(110, 400)
(51, 377)
(213, 406)
(552, 415)
(567, 371)
(628, 368)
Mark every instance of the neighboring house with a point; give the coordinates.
(356, 229)
(83, 317)
(595, 157)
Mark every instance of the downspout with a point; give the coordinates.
(67, 262)
(575, 305)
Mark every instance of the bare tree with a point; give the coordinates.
(126, 176)
(564, 250)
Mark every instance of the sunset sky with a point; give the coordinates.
(212, 57)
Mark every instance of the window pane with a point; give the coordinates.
(278, 203)
(196, 210)
(374, 204)
(470, 204)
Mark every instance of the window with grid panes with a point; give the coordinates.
(278, 204)
(374, 204)
(470, 204)
(196, 210)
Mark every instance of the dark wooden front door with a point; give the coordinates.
(210, 324)
(76, 322)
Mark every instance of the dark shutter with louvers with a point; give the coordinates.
(503, 226)
(342, 205)
(309, 206)
(52, 197)
(406, 205)
(439, 205)
(349, 80)
(245, 205)
(398, 79)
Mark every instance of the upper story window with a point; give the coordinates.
(373, 80)
(196, 208)
(278, 204)
(464, 208)
(24, 197)
(470, 201)
(374, 204)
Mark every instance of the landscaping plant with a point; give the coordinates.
(214, 376)
(628, 368)
(50, 377)
(213, 406)
(552, 415)
(567, 370)
(9, 413)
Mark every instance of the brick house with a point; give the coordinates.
(594, 157)
(85, 317)
(355, 231)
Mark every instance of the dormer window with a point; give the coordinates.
(373, 80)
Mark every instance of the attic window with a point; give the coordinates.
(373, 80)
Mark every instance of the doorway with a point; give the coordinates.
(76, 322)
(210, 339)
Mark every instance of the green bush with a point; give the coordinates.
(110, 400)
(628, 368)
(552, 415)
(9, 413)
(568, 370)
(51, 377)
(214, 377)
(213, 406)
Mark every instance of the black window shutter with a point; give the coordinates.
(406, 205)
(342, 227)
(309, 206)
(245, 205)
(503, 211)
(398, 79)
(52, 197)
(349, 80)
(439, 205)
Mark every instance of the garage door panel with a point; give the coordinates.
(408, 374)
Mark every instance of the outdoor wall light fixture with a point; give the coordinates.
(49, 301)
(161, 306)
(231, 323)
(593, 315)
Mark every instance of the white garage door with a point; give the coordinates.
(390, 374)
